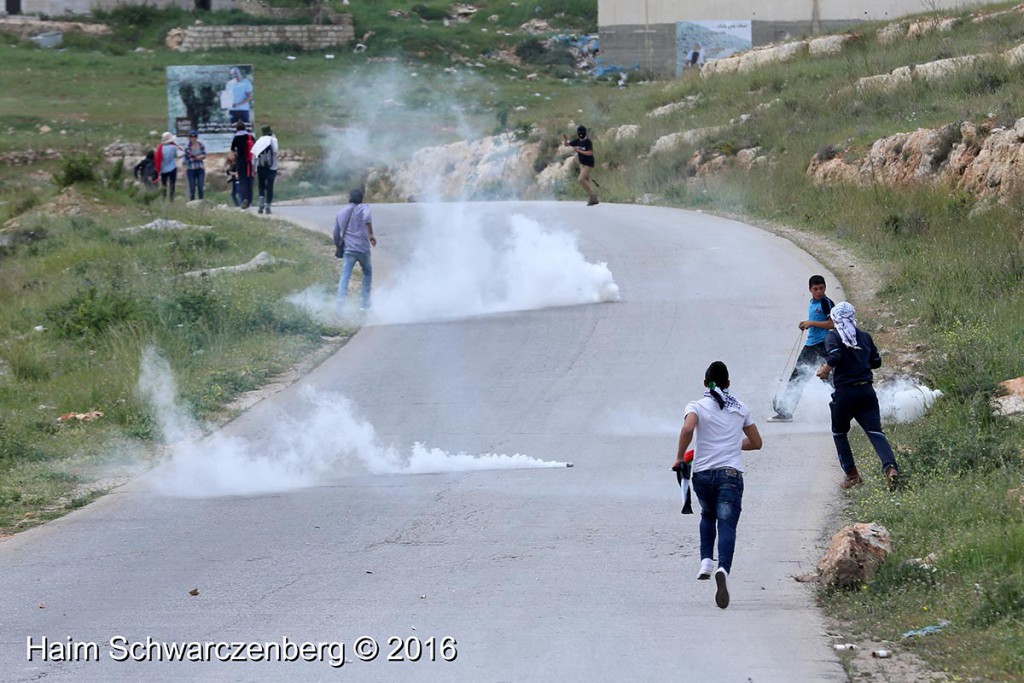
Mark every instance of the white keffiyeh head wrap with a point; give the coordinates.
(845, 318)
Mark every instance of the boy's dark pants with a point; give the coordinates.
(858, 403)
(806, 364)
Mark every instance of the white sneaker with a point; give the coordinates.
(707, 565)
(722, 594)
(780, 418)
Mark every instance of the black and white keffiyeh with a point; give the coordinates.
(845, 318)
(730, 402)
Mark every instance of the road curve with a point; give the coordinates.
(547, 574)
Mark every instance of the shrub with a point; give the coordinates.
(1003, 601)
(78, 168)
(91, 313)
(533, 51)
(428, 13)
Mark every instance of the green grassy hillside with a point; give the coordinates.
(951, 266)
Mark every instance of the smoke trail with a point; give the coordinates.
(327, 442)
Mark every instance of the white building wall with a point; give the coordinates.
(59, 8)
(644, 12)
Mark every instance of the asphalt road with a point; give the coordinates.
(542, 574)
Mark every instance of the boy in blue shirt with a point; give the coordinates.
(813, 355)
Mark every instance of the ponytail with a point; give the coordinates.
(716, 377)
(717, 396)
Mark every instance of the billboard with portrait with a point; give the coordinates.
(210, 99)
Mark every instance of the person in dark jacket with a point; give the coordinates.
(145, 171)
(241, 145)
(852, 355)
(585, 151)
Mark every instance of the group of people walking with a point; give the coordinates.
(720, 427)
(249, 160)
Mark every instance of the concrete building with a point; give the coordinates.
(657, 35)
(61, 8)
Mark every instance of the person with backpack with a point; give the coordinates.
(145, 171)
(813, 353)
(241, 145)
(264, 153)
(720, 428)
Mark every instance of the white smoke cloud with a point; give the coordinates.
(391, 113)
(327, 442)
(461, 267)
(905, 400)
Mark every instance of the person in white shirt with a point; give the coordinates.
(720, 427)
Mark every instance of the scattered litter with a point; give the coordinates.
(359, 48)
(844, 646)
(48, 39)
(81, 417)
(42, 605)
(881, 654)
(806, 578)
(194, 592)
(328, 56)
(290, 58)
(39, 328)
(927, 630)
(368, 571)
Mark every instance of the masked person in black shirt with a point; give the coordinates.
(852, 354)
(585, 153)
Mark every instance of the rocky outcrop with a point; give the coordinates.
(941, 69)
(1011, 403)
(624, 132)
(985, 163)
(854, 555)
(750, 60)
(499, 165)
(711, 164)
(899, 77)
(830, 45)
(26, 27)
(674, 107)
(672, 141)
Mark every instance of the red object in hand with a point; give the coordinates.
(688, 456)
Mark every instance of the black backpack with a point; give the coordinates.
(149, 173)
(266, 158)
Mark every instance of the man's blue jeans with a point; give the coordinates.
(720, 492)
(196, 181)
(350, 259)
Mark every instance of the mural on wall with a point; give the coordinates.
(210, 100)
(698, 41)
